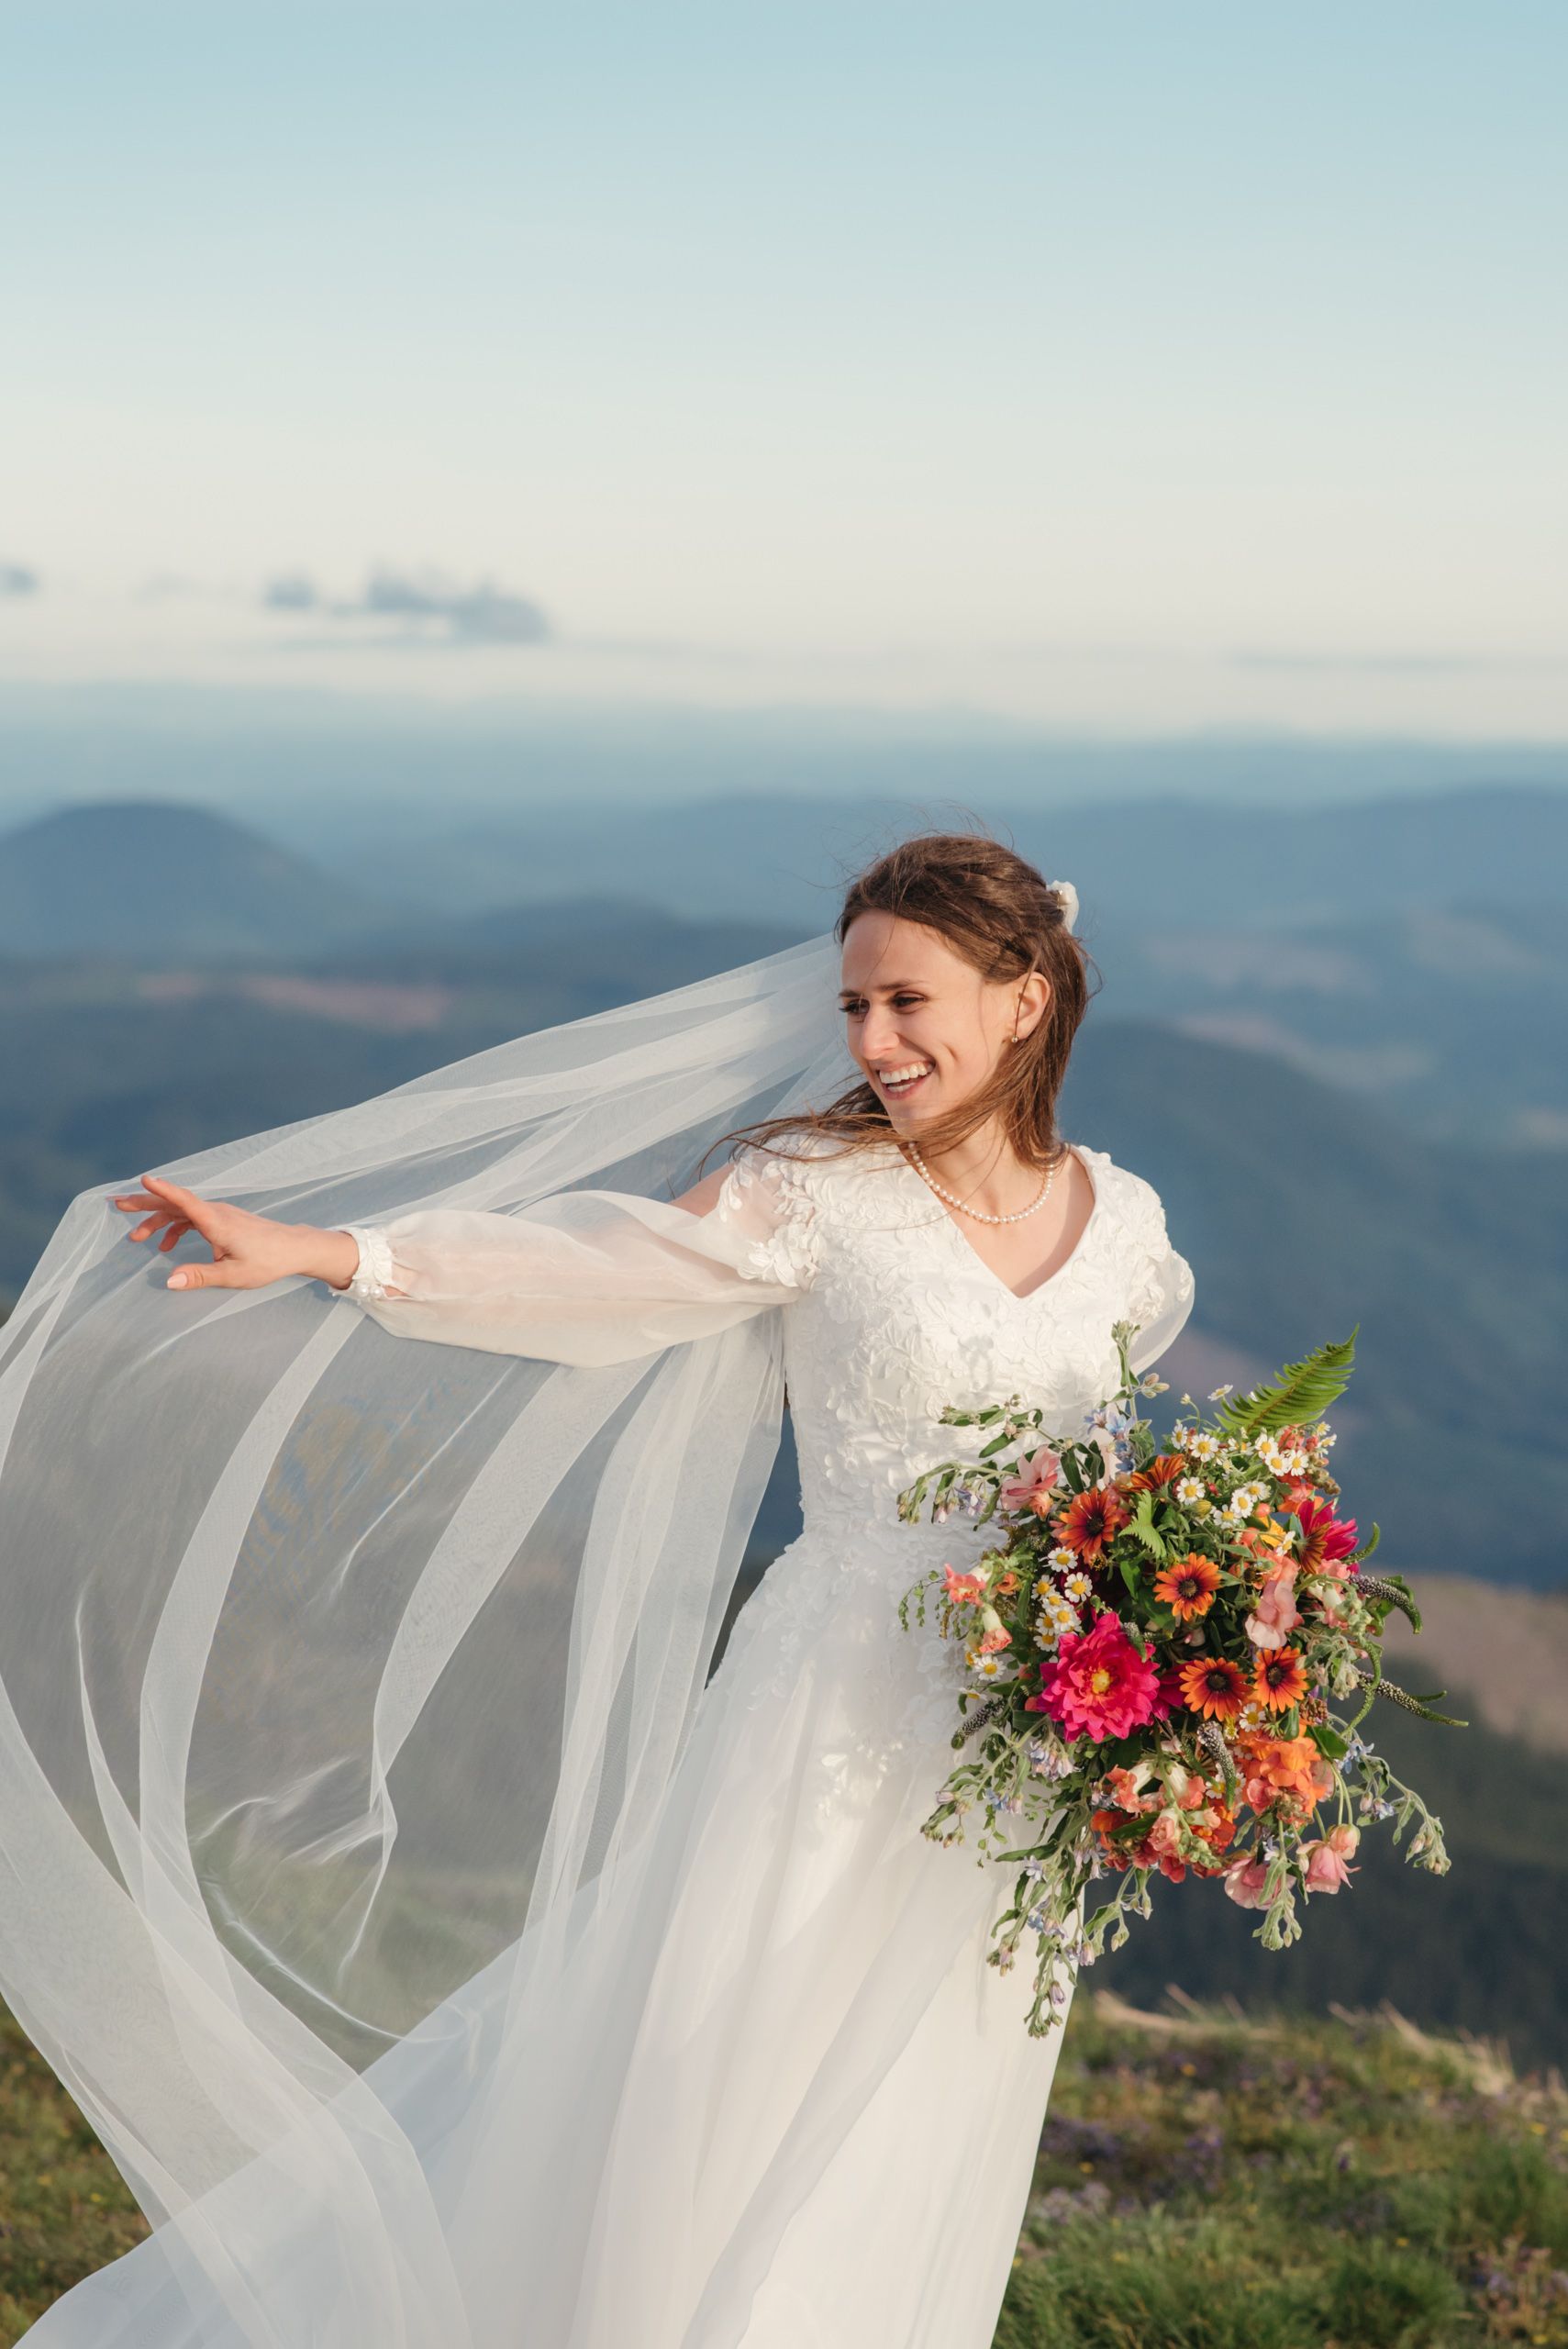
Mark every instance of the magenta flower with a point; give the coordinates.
(1168, 1697)
(1326, 1542)
(1100, 1686)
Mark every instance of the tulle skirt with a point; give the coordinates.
(769, 2095)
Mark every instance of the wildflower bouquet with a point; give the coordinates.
(1154, 1646)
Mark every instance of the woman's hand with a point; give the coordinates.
(247, 1251)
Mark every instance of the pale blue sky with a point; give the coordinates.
(1133, 368)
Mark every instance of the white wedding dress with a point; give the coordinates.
(774, 2098)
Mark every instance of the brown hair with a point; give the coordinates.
(994, 908)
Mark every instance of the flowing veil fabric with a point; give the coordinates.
(338, 1673)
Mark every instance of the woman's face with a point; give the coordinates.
(926, 1029)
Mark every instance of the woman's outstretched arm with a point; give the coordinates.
(584, 1276)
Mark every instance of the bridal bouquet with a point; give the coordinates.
(1156, 1646)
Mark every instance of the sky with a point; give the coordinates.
(1128, 371)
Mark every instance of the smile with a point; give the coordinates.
(905, 1080)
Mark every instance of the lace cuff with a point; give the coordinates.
(372, 1275)
(765, 1195)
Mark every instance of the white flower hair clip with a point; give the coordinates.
(1068, 895)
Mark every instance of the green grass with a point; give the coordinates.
(1210, 2183)
(64, 2209)
(1205, 2182)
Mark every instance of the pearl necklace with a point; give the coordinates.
(980, 1214)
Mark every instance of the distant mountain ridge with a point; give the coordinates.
(148, 877)
(151, 877)
(1174, 862)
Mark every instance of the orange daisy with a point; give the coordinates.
(1214, 1688)
(1279, 1680)
(1092, 1519)
(1162, 1470)
(1187, 1586)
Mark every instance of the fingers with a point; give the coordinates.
(175, 1195)
(178, 1227)
(171, 1204)
(219, 1275)
(178, 1224)
(135, 1203)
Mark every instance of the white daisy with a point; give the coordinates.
(1204, 1446)
(1064, 1560)
(1078, 1588)
(1055, 1618)
(1189, 1489)
(990, 1668)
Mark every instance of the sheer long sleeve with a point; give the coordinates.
(588, 1277)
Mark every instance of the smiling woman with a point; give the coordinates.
(964, 987)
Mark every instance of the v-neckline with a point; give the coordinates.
(1019, 1296)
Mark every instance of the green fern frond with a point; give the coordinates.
(1302, 1393)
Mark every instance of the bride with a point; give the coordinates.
(446, 1952)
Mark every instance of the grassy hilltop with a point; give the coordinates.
(1209, 2183)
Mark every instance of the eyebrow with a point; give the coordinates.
(883, 987)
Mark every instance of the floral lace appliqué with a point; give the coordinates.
(768, 1192)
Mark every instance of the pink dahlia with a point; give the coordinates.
(1168, 1696)
(1099, 1685)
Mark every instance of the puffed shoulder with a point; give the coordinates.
(1160, 1286)
(771, 1193)
(1139, 1203)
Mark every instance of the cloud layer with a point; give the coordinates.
(423, 607)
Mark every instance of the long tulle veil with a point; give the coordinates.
(336, 1671)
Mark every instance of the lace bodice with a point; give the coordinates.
(896, 1315)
